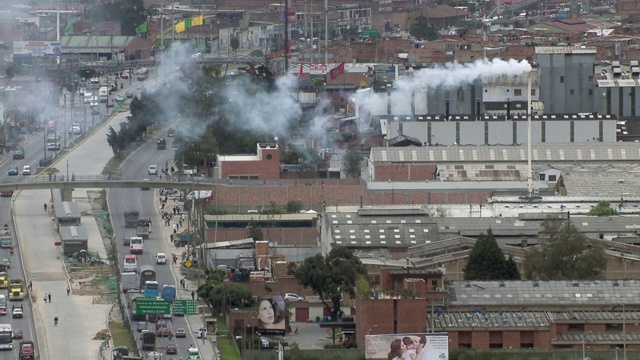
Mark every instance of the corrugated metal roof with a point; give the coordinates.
(543, 293)
(260, 217)
(543, 152)
(564, 50)
(115, 42)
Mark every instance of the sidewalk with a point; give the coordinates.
(208, 347)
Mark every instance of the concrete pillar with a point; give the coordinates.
(67, 192)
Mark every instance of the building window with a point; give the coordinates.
(533, 92)
(269, 156)
(576, 327)
(542, 176)
(553, 178)
(614, 327)
(517, 92)
(526, 346)
(561, 79)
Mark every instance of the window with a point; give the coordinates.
(561, 79)
(517, 92)
(533, 92)
(552, 178)
(542, 176)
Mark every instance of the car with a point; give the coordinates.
(153, 170)
(145, 187)
(154, 355)
(293, 297)
(125, 74)
(142, 325)
(162, 332)
(171, 132)
(17, 313)
(6, 193)
(75, 129)
(26, 170)
(87, 97)
(13, 170)
(126, 241)
(120, 98)
(267, 343)
(167, 191)
(181, 333)
(161, 259)
(172, 349)
(17, 334)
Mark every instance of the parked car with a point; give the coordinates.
(293, 297)
(267, 343)
(181, 333)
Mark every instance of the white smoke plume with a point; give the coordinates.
(455, 74)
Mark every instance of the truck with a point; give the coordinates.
(143, 228)
(129, 281)
(18, 153)
(6, 337)
(148, 340)
(161, 144)
(27, 350)
(131, 219)
(103, 94)
(16, 289)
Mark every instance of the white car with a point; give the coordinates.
(154, 355)
(153, 170)
(120, 98)
(161, 259)
(26, 170)
(293, 297)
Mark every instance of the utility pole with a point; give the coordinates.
(326, 31)
(286, 36)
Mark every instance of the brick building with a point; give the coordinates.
(265, 165)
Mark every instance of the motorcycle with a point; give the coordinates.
(11, 251)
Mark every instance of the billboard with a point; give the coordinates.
(36, 48)
(271, 315)
(407, 346)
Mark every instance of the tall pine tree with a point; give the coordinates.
(487, 262)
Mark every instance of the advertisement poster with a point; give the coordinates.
(416, 346)
(36, 48)
(271, 315)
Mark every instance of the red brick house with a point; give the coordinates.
(265, 165)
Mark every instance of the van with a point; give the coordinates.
(161, 259)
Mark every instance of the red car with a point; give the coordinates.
(162, 332)
(6, 193)
(126, 241)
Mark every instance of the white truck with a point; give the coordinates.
(103, 94)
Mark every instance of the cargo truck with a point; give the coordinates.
(143, 228)
(27, 350)
(131, 219)
(161, 144)
(16, 291)
(148, 340)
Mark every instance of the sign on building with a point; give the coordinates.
(36, 48)
(422, 346)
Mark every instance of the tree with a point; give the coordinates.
(421, 29)
(218, 295)
(114, 140)
(603, 208)
(352, 163)
(331, 276)
(487, 262)
(563, 255)
(294, 206)
(255, 231)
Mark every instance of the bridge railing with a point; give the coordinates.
(103, 177)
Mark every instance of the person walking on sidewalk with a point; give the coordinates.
(68, 291)
(45, 207)
(45, 298)
(49, 297)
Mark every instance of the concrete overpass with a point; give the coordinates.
(68, 184)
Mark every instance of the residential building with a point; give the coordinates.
(265, 165)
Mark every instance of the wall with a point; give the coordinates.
(280, 236)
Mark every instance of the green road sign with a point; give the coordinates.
(370, 32)
(148, 305)
(182, 307)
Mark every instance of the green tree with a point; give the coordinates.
(331, 276)
(294, 206)
(114, 141)
(422, 29)
(220, 295)
(487, 262)
(603, 208)
(255, 232)
(563, 255)
(352, 163)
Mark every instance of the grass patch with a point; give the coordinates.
(120, 335)
(227, 350)
(113, 165)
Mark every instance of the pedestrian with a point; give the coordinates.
(30, 286)
(45, 298)
(49, 297)
(55, 321)
(68, 291)
(45, 207)
(193, 295)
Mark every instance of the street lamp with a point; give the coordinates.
(584, 356)
(67, 170)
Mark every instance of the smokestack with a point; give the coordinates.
(446, 110)
(508, 109)
(478, 109)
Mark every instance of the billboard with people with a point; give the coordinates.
(271, 315)
(407, 346)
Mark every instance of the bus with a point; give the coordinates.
(147, 273)
(6, 337)
(151, 289)
(3, 304)
(168, 292)
(142, 74)
(130, 263)
(136, 245)
(94, 83)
